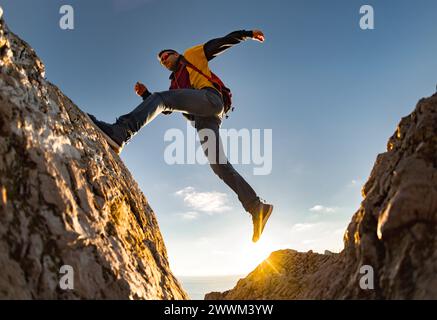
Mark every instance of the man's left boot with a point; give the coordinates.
(260, 214)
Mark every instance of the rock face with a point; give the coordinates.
(394, 232)
(67, 199)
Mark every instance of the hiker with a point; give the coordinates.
(202, 98)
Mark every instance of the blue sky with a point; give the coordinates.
(331, 92)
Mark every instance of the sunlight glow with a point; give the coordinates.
(254, 253)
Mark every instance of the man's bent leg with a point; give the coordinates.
(203, 103)
(206, 102)
(196, 102)
(148, 110)
(213, 149)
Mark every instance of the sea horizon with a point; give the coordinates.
(198, 286)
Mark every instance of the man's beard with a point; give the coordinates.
(175, 67)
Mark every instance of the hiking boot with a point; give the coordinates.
(114, 134)
(260, 214)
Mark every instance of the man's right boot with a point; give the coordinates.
(115, 134)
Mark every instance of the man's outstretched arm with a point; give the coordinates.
(217, 46)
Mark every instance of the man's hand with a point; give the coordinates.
(140, 89)
(258, 35)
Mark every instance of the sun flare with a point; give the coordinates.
(255, 253)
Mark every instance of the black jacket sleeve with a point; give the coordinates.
(215, 47)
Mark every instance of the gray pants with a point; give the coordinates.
(206, 108)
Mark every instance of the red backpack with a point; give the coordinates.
(220, 86)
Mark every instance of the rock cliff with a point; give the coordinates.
(394, 232)
(67, 199)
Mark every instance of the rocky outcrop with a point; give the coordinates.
(67, 199)
(281, 276)
(394, 232)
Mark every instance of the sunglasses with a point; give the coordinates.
(165, 56)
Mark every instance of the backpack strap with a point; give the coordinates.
(192, 66)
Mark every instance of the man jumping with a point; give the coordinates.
(194, 94)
